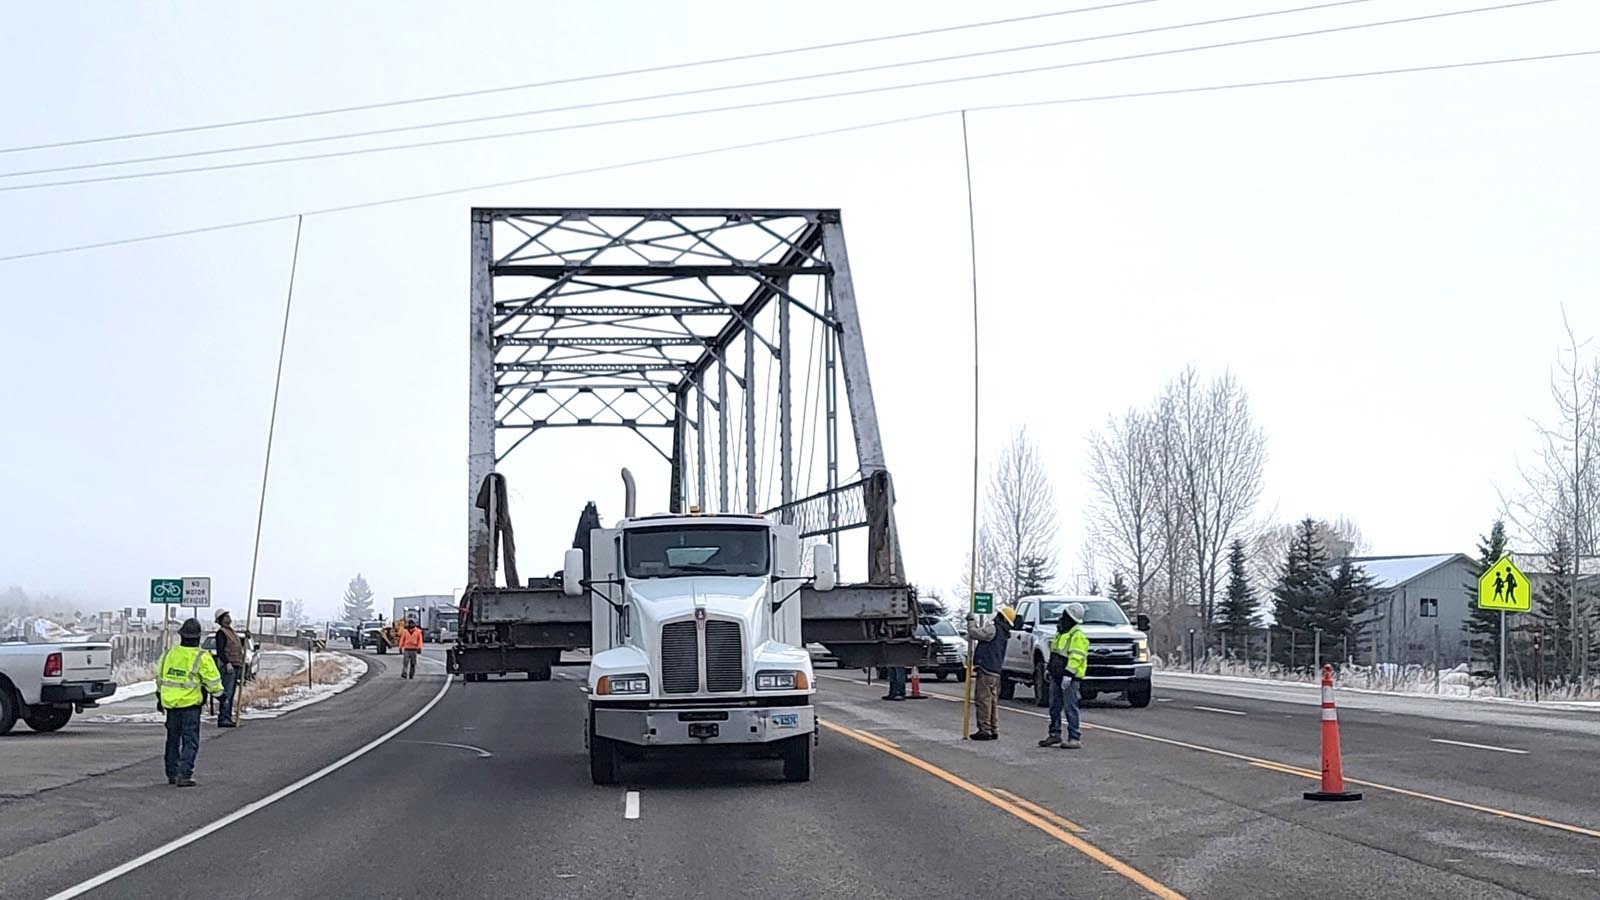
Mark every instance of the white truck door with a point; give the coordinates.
(1019, 646)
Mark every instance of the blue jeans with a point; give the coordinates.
(1064, 696)
(183, 741)
(897, 681)
(230, 679)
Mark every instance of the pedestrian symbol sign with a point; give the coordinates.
(1505, 588)
(982, 603)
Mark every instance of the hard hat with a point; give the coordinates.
(189, 629)
(1009, 613)
(221, 613)
(1075, 610)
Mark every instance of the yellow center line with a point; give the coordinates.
(1058, 832)
(1296, 770)
(881, 740)
(1039, 811)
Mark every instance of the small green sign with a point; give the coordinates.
(166, 590)
(982, 603)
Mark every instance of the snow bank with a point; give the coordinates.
(352, 668)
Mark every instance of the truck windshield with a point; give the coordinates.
(940, 627)
(705, 550)
(1095, 612)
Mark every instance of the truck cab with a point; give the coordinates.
(696, 639)
(1119, 652)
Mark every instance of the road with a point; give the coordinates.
(487, 794)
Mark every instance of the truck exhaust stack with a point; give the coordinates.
(629, 493)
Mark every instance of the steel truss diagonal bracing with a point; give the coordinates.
(727, 339)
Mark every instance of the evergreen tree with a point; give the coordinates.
(1302, 591)
(357, 600)
(1236, 615)
(1483, 625)
(1121, 593)
(1552, 612)
(1036, 576)
(1349, 599)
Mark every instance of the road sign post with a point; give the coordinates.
(1503, 587)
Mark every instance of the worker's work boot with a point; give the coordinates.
(1073, 744)
(185, 782)
(1053, 740)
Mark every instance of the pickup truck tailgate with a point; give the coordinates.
(85, 662)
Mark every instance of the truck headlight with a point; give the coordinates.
(781, 681)
(1141, 650)
(623, 684)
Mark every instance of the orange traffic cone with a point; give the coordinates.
(1332, 766)
(916, 686)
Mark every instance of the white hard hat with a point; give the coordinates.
(1075, 610)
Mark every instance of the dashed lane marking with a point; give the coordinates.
(630, 805)
(1478, 746)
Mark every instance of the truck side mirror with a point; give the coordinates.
(572, 573)
(1142, 622)
(822, 567)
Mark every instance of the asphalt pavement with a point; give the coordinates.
(1199, 795)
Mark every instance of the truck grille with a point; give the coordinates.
(724, 657)
(1117, 652)
(680, 658)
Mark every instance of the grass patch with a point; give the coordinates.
(267, 691)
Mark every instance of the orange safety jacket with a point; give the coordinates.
(411, 639)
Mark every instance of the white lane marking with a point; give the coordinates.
(1479, 746)
(1226, 712)
(1163, 699)
(141, 861)
(482, 753)
(630, 805)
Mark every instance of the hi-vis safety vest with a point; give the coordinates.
(181, 674)
(411, 639)
(1074, 645)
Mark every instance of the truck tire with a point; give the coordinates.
(1139, 696)
(383, 646)
(45, 719)
(542, 673)
(940, 675)
(8, 707)
(961, 675)
(1008, 688)
(797, 758)
(602, 758)
(1041, 687)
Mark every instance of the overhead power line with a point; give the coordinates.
(679, 94)
(576, 79)
(784, 139)
(760, 104)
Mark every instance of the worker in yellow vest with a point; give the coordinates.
(1069, 663)
(183, 678)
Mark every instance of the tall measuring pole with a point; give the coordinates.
(972, 574)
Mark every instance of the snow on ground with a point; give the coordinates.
(295, 698)
(1454, 686)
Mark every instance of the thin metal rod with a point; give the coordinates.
(972, 249)
(750, 459)
(272, 421)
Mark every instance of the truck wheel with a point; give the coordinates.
(602, 757)
(45, 719)
(940, 675)
(1008, 688)
(1041, 687)
(8, 707)
(961, 674)
(1139, 697)
(540, 674)
(797, 758)
(383, 646)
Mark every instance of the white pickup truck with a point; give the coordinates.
(42, 684)
(1119, 653)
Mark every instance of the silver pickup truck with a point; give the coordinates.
(43, 684)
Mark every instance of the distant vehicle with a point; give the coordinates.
(431, 611)
(369, 633)
(951, 656)
(43, 684)
(252, 653)
(1119, 653)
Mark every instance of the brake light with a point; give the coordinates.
(52, 666)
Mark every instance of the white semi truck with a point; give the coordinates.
(697, 642)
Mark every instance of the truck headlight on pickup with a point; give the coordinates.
(781, 681)
(623, 684)
(1141, 650)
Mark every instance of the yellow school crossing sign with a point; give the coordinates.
(1505, 588)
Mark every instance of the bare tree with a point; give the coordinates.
(1125, 515)
(1020, 519)
(1560, 502)
(1220, 456)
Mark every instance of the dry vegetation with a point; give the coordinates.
(268, 691)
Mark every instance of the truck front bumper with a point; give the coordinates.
(709, 725)
(1113, 678)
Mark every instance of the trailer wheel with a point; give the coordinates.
(797, 758)
(602, 757)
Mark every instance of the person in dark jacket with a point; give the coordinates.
(987, 660)
(230, 661)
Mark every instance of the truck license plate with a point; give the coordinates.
(703, 730)
(786, 720)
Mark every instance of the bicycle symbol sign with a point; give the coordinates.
(166, 590)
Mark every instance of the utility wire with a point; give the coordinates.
(679, 94)
(576, 79)
(784, 139)
(739, 107)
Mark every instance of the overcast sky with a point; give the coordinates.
(1381, 261)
